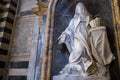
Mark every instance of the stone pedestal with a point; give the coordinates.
(76, 77)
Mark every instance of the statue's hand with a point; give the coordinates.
(62, 39)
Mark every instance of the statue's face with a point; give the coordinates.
(80, 8)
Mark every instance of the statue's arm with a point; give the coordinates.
(67, 36)
(70, 29)
(67, 33)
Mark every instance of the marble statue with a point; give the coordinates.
(76, 40)
(87, 44)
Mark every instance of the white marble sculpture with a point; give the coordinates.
(88, 47)
(100, 47)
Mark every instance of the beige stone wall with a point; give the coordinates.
(24, 48)
(25, 42)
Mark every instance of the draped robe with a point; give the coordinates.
(100, 45)
(88, 54)
(77, 42)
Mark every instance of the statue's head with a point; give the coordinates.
(80, 9)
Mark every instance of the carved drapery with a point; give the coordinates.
(48, 48)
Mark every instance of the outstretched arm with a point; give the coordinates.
(67, 36)
(67, 33)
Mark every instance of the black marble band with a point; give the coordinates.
(19, 64)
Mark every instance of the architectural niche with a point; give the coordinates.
(58, 16)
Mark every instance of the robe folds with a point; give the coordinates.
(86, 51)
(100, 45)
(87, 44)
(76, 40)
